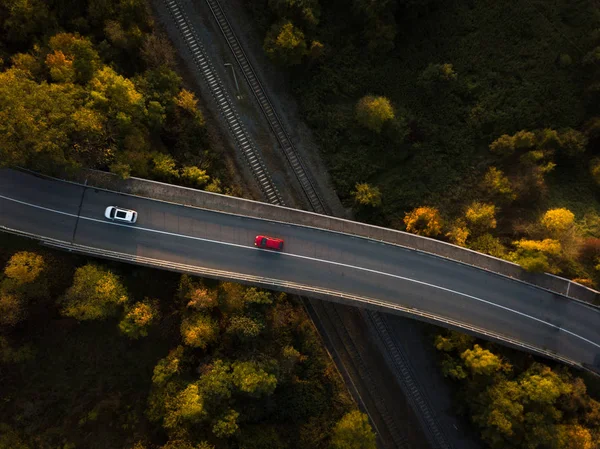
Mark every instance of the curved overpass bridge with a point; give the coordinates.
(315, 262)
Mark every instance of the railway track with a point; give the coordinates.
(224, 103)
(323, 313)
(294, 159)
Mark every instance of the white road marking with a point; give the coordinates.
(313, 259)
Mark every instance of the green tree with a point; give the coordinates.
(24, 267)
(199, 330)
(186, 406)
(138, 318)
(488, 244)
(353, 431)
(79, 51)
(168, 366)
(250, 378)
(285, 44)
(245, 328)
(374, 112)
(216, 381)
(367, 195)
(253, 295)
(96, 293)
(425, 221)
(226, 425)
(595, 169)
(21, 20)
(436, 76)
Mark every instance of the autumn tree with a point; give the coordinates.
(558, 221)
(24, 267)
(459, 232)
(78, 52)
(503, 145)
(12, 309)
(138, 318)
(367, 195)
(285, 44)
(185, 407)
(481, 216)
(436, 77)
(199, 330)
(194, 176)
(244, 327)
(250, 378)
(523, 140)
(496, 183)
(35, 120)
(226, 425)
(424, 221)
(96, 293)
(168, 366)
(374, 112)
(572, 142)
(481, 361)
(353, 431)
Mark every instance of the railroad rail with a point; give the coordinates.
(292, 155)
(224, 103)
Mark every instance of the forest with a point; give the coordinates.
(105, 356)
(473, 122)
(100, 355)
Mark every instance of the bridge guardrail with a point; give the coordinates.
(297, 289)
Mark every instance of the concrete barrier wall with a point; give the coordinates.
(239, 206)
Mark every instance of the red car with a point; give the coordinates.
(263, 241)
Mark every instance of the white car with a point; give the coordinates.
(117, 214)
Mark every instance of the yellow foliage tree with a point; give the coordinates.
(285, 44)
(24, 267)
(480, 216)
(199, 330)
(424, 221)
(353, 431)
(503, 145)
(458, 233)
(481, 361)
(367, 195)
(546, 246)
(139, 318)
(558, 221)
(498, 184)
(373, 112)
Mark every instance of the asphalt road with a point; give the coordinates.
(311, 257)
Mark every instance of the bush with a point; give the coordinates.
(488, 244)
(497, 184)
(424, 221)
(353, 431)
